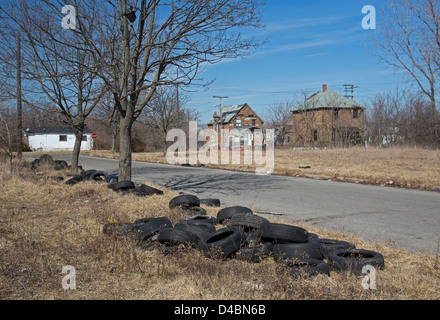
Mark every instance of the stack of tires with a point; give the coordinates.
(123, 187)
(237, 233)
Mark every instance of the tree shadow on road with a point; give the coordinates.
(201, 181)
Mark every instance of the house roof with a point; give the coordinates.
(228, 113)
(327, 99)
(51, 130)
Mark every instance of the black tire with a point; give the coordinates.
(35, 164)
(282, 233)
(330, 246)
(124, 185)
(86, 174)
(354, 260)
(149, 191)
(306, 268)
(222, 243)
(295, 251)
(174, 237)
(120, 230)
(312, 237)
(148, 227)
(185, 200)
(202, 229)
(111, 185)
(46, 159)
(253, 237)
(248, 222)
(210, 202)
(74, 180)
(140, 192)
(194, 211)
(201, 219)
(99, 176)
(254, 254)
(60, 165)
(227, 213)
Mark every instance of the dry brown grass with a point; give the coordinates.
(45, 225)
(414, 168)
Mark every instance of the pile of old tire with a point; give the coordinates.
(237, 233)
(123, 187)
(90, 175)
(46, 161)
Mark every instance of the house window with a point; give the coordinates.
(254, 122)
(314, 135)
(63, 138)
(84, 138)
(356, 113)
(336, 114)
(238, 122)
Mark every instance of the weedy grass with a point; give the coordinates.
(46, 225)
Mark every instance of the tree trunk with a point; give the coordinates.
(77, 149)
(114, 137)
(125, 150)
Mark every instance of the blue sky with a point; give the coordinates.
(309, 43)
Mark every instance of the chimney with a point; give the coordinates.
(324, 88)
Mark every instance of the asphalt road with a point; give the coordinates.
(410, 219)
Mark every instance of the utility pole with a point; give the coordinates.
(221, 114)
(349, 89)
(19, 100)
(221, 107)
(177, 104)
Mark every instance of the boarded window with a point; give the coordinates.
(63, 138)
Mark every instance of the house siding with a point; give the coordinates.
(51, 142)
(322, 127)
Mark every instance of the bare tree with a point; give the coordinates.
(409, 41)
(139, 46)
(165, 111)
(279, 117)
(6, 139)
(57, 63)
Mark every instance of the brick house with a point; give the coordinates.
(327, 118)
(242, 118)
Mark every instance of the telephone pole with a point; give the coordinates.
(177, 104)
(221, 114)
(221, 107)
(349, 90)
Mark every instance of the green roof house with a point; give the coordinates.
(327, 118)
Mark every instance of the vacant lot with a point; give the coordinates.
(413, 168)
(46, 224)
